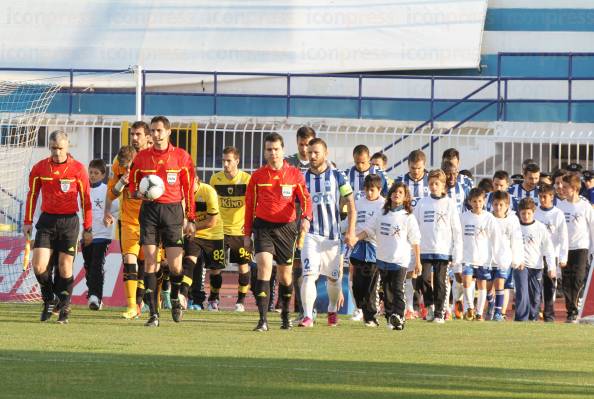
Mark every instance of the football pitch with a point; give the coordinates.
(216, 355)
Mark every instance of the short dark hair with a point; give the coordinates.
(559, 173)
(318, 140)
(451, 153)
(416, 156)
(486, 184)
(476, 192)
(141, 125)
(546, 189)
(372, 180)
(501, 196)
(527, 162)
(517, 178)
(273, 138)
(306, 132)
(531, 168)
(526, 203)
(126, 154)
(360, 149)
(163, 120)
(98, 164)
(232, 150)
(501, 175)
(381, 156)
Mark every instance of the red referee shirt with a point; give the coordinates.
(60, 184)
(175, 167)
(271, 196)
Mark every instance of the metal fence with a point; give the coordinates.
(483, 149)
(488, 97)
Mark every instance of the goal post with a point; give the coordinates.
(23, 105)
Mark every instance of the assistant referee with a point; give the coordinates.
(270, 215)
(63, 183)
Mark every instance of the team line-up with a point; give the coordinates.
(427, 238)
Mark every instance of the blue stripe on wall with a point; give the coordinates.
(546, 20)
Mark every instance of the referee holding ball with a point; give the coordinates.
(162, 220)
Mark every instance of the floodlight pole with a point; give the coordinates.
(138, 74)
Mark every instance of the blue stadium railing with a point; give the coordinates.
(430, 108)
(427, 108)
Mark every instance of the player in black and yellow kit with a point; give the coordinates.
(230, 185)
(206, 248)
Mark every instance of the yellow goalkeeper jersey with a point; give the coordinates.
(231, 194)
(207, 204)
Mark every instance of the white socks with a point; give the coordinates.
(334, 289)
(468, 298)
(480, 303)
(458, 289)
(409, 294)
(308, 295)
(448, 288)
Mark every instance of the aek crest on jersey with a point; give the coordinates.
(171, 177)
(230, 190)
(65, 185)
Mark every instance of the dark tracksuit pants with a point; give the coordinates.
(528, 284)
(393, 283)
(94, 262)
(365, 287)
(434, 288)
(574, 275)
(549, 287)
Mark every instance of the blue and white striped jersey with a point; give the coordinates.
(513, 203)
(519, 192)
(465, 180)
(356, 179)
(459, 193)
(418, 188)
(325, 190)
(294, 160)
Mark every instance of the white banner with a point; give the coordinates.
(231, 35)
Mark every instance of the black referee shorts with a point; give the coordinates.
(237, 252)
(276, 238)
(211, 252)
(57, 232)
(161, 223)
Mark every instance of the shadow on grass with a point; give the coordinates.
(91, 375)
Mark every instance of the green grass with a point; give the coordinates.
(99, 355)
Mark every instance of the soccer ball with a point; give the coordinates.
(151, 186)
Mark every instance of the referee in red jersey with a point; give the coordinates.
(270, 215)
(62, 181)
(163, 220)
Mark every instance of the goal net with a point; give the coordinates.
(22, 107)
